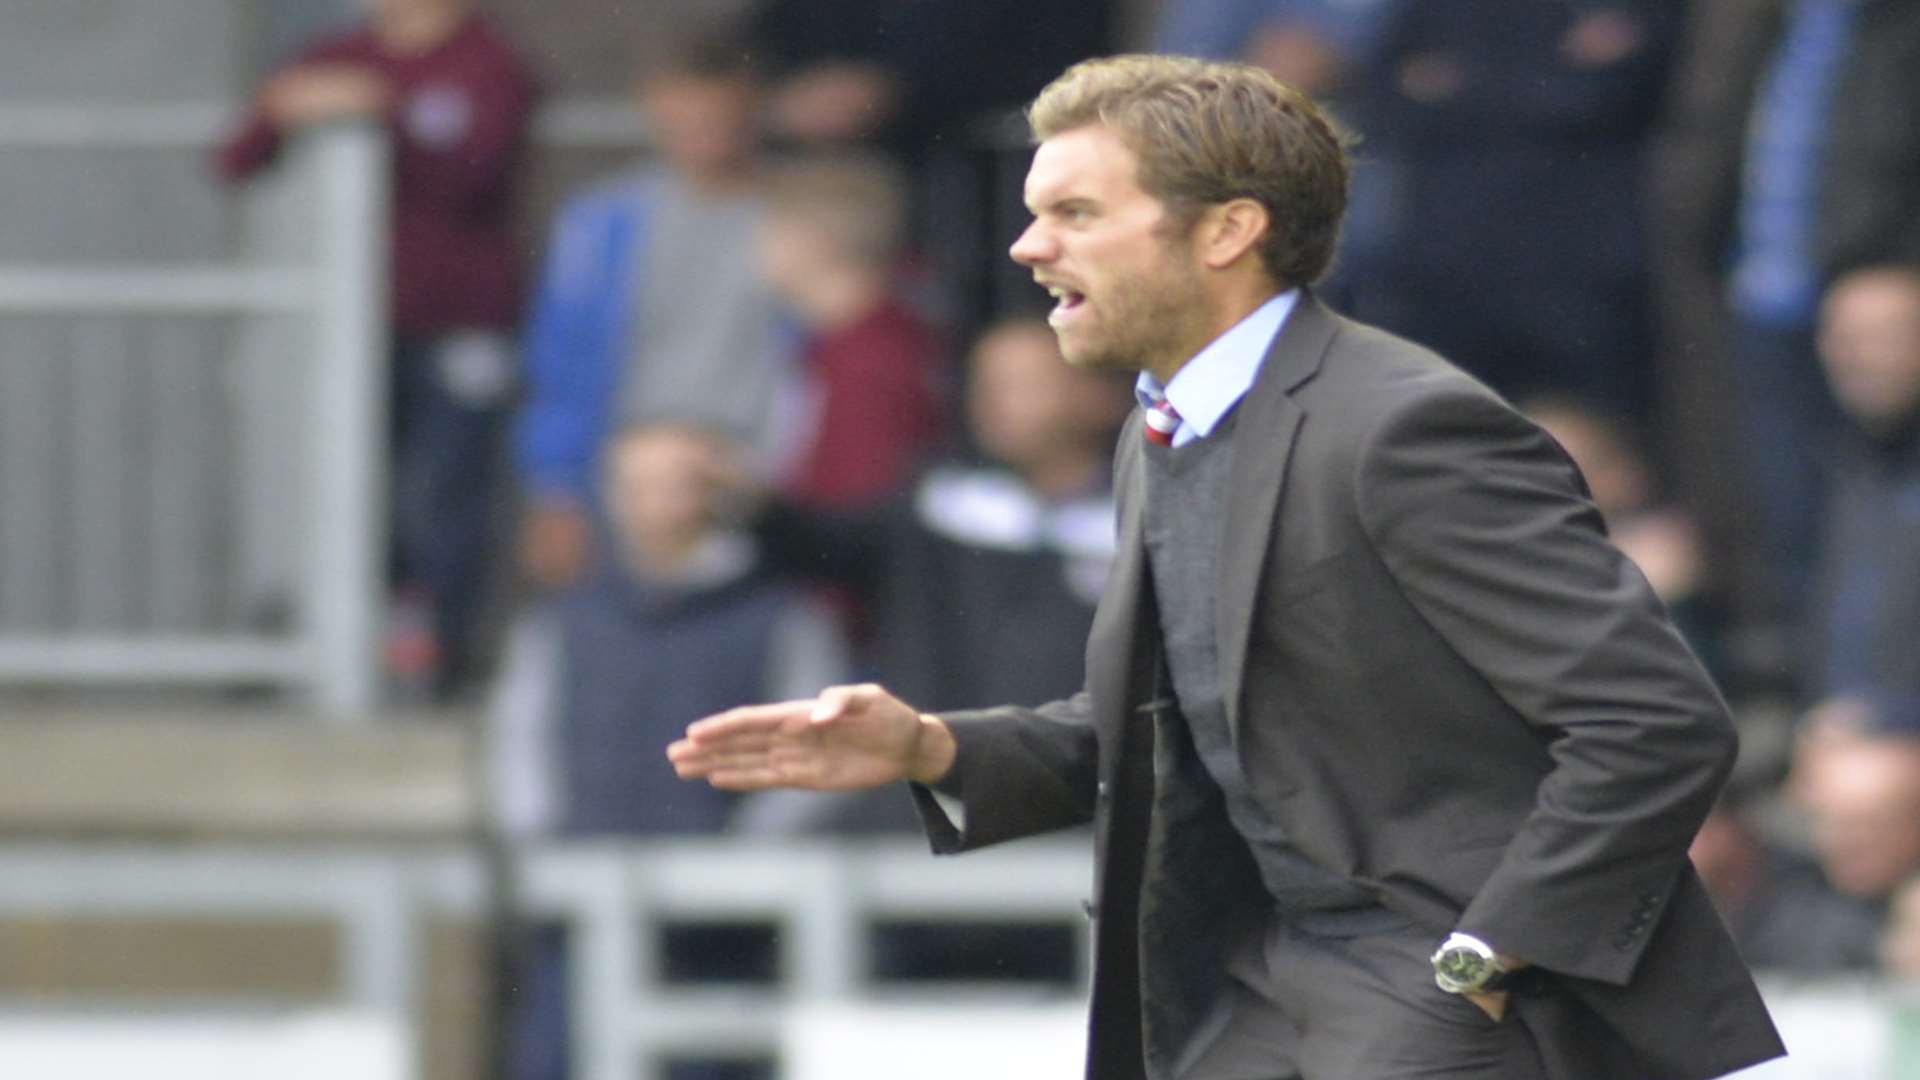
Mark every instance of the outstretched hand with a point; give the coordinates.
(850, 737)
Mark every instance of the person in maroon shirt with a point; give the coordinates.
(830, 246)
(456, 99)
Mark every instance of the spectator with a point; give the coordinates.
(1789, 155)
(835, 80)
(1862, 795)
(1868, 601)
(1316, 45)
(830, 246)
(455, 98)
(1660, 537)
(936, 84)
(1783, 913)
(1325, 47)
(982, 581)
(1856, 774)
(908, 73)
(1519, 128)
(680, 622)
(651, 302)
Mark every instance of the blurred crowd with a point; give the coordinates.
(763, 430)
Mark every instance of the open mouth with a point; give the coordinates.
(1065, 301)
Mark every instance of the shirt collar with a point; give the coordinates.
(1207, 388)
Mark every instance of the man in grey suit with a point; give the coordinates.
(1392, 759)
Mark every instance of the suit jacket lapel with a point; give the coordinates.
(1263, 442)
(1113, 664)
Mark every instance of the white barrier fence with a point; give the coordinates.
(203, 1045)
(823, 1016)
(615, 901)
(823, 900)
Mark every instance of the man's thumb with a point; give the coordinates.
(837, 701)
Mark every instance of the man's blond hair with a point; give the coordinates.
(1207, 133)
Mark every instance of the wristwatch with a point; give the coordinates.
(1466, 965)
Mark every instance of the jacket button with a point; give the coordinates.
(1090, 909)
(1103, 791)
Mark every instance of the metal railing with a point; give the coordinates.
(616, 899)
(191, 452)
(377, 903)
(824, 901)
(613, 899)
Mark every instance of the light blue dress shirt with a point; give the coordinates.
(1213, 382)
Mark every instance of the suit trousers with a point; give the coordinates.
(1303, 1006)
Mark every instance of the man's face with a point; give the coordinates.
(1870, 344)
(703, 125)
(1026, 407)
(1128, 285)
(658, 495)
(1864, 800)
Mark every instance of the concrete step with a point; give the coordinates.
(235, 773)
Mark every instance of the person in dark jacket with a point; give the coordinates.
(682, 618)
(1866, 601)
(980, 581)
(1789, 153)
(684, 614)
(1517, 129)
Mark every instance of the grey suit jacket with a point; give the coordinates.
(1443, 682)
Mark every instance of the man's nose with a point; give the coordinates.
(1033, 246)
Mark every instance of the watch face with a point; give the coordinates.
(1462, 967)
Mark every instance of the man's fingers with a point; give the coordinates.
(748, 743)
(685, 755)
(748, 719)
(1493, 1003)
(748, 778)
(762, 746)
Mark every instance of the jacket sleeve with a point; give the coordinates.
(571, 370)
(1485, 525)
(844, 546)
(255, 142)
(1016, 772)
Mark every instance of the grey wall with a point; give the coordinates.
(72, 51)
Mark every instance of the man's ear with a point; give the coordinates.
(1231, 230)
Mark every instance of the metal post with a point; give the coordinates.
(347, 526)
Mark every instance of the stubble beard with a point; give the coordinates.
(1150, 322)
